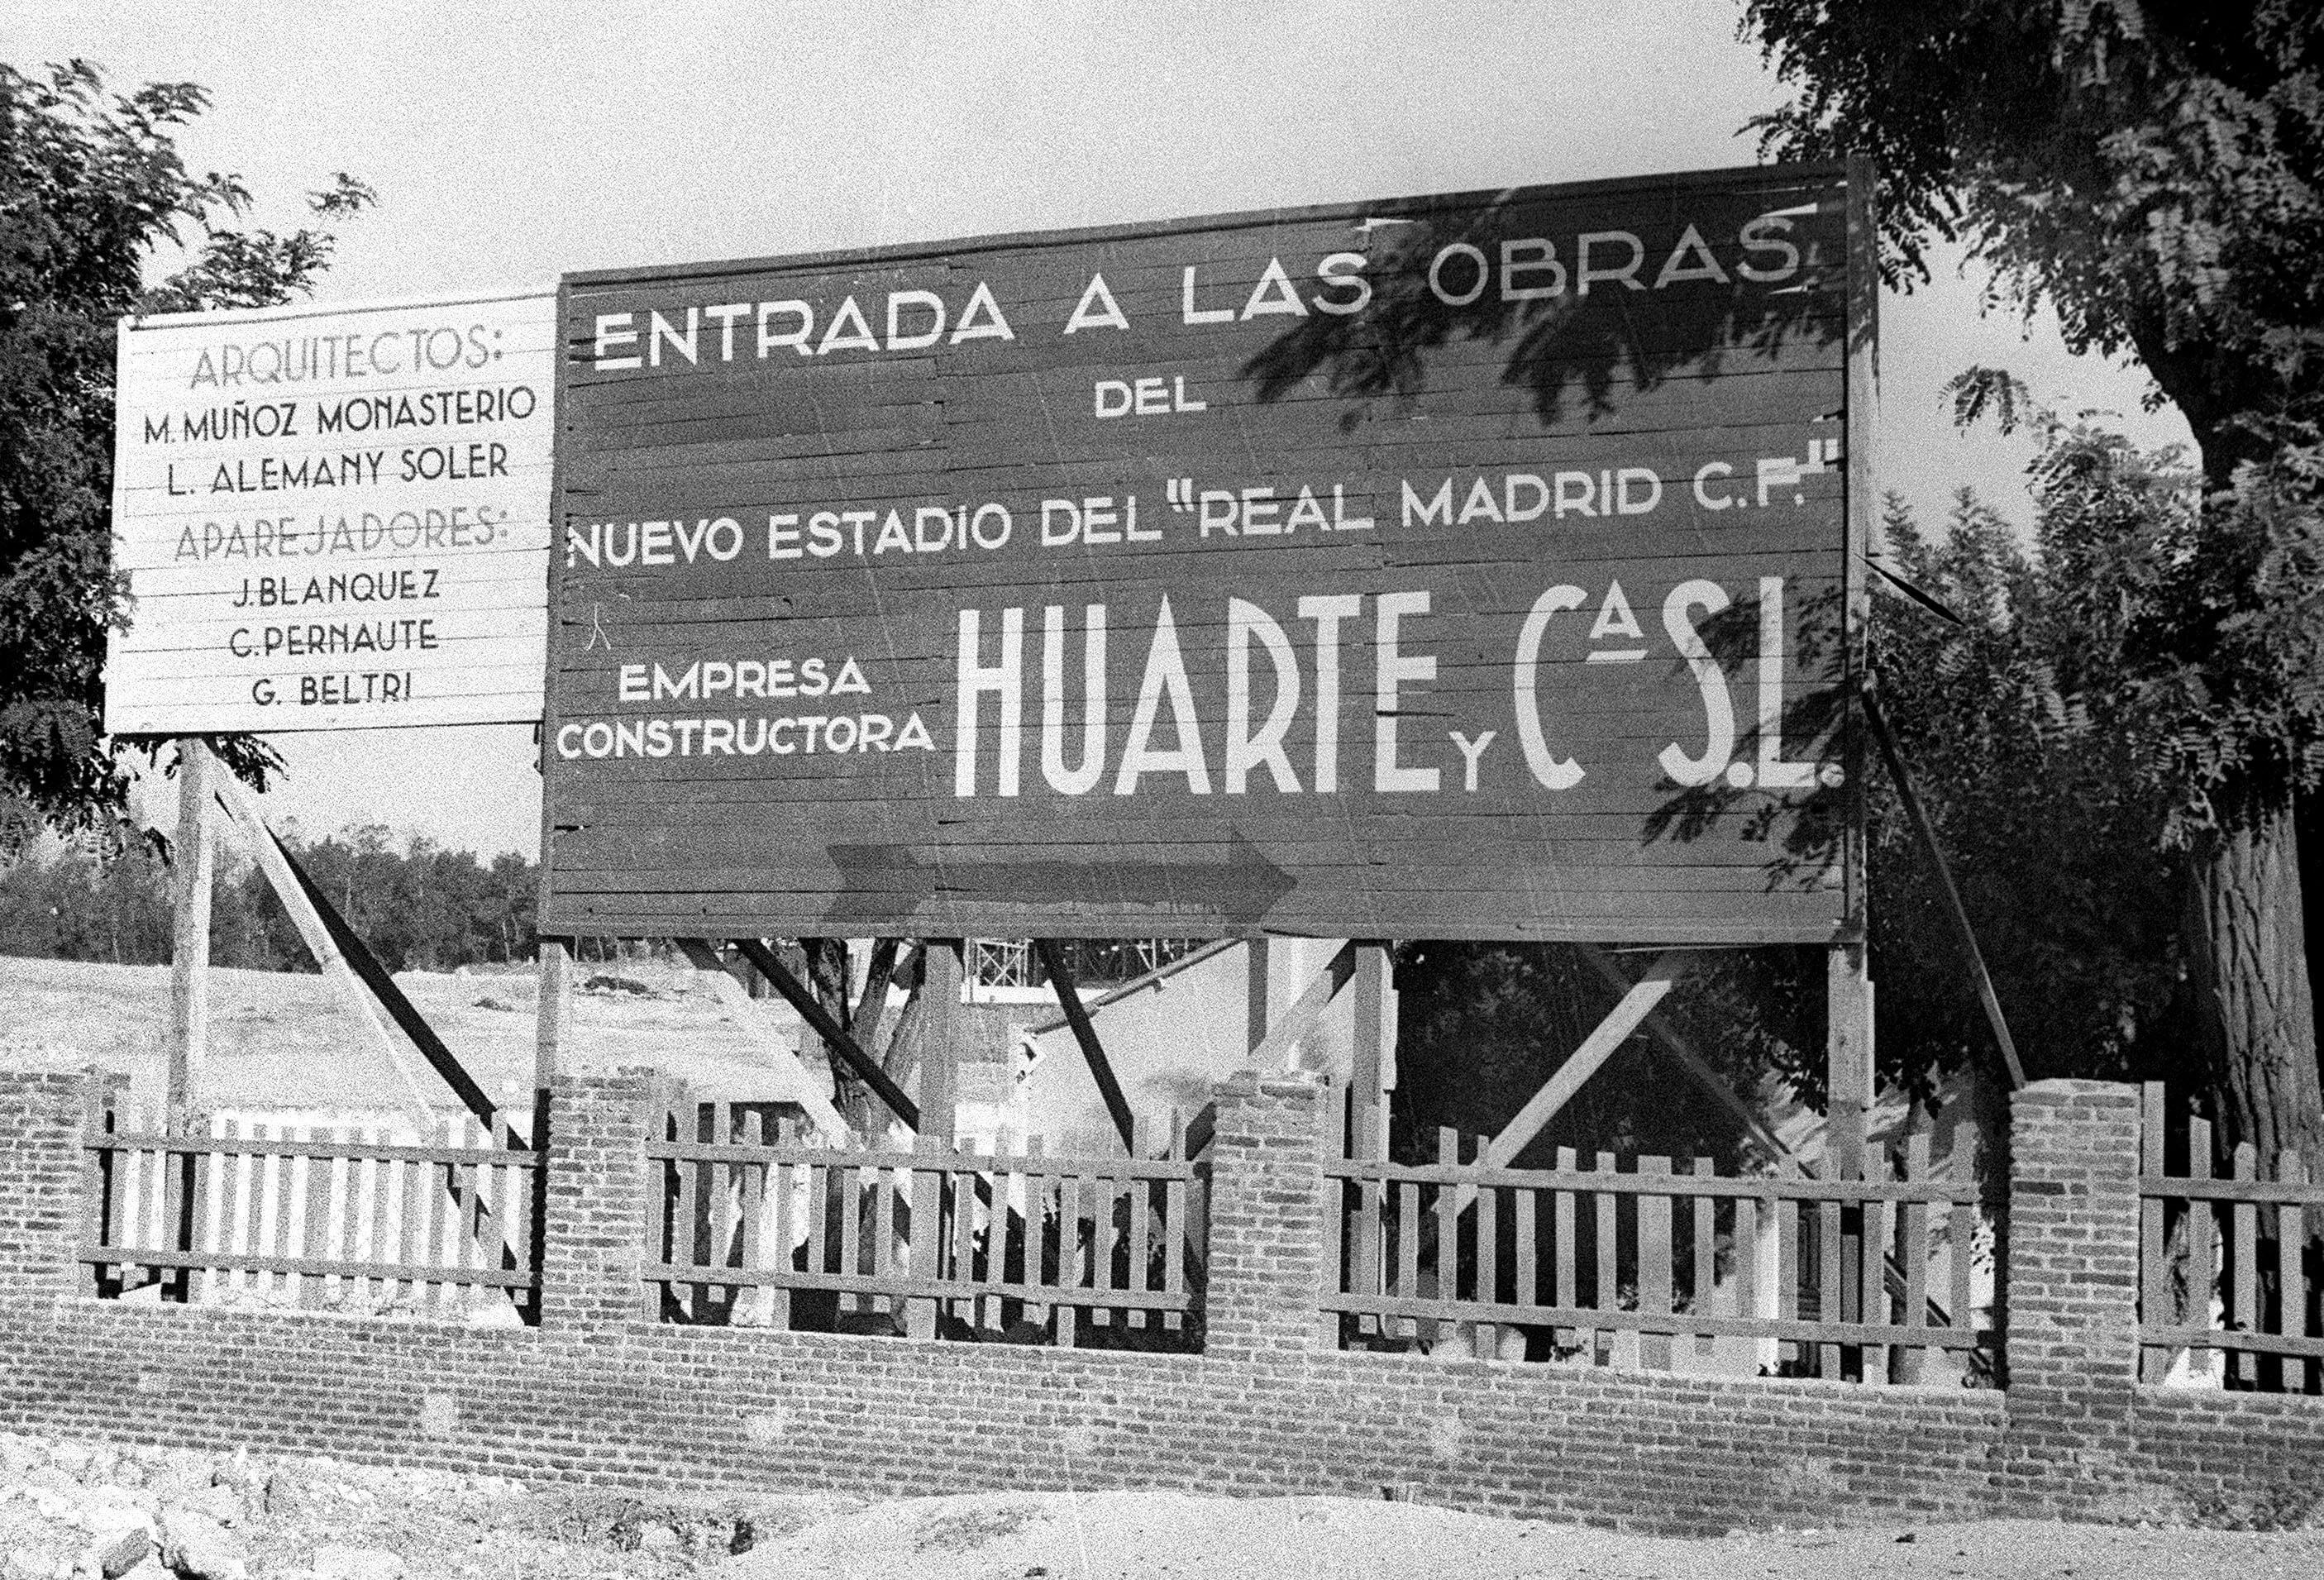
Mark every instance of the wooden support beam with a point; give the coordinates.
(1682, 1053)
(1258, 968)
(1847, 1058)
(406, 1014)
(871, 1004)
(834, 1036)
(192, 860)
(798, 1083)
(552, 1025)
(1141, 982)
(1585, 1061)
(1301, 1018)
(244, 814)
(943, 969)
(1893, 758)
(1069, 999)
(1370, 1074)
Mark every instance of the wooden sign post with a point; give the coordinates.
(193, 862)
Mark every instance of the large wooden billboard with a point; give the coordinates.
(1467, 566)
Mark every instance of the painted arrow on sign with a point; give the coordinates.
(1238, 886)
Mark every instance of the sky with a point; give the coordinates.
(513, 142)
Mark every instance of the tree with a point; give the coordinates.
(91, 188)
(2152, 173)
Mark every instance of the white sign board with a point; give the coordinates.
(332, 516)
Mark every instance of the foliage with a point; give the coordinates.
(420, 908)
(92, 188)
(2036, 746)
(2151, 169)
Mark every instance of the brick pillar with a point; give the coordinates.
(1266, 1267)
(593, 1236)
(2071, 1287)
(41, 1170)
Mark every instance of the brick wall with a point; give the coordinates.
(598, 1393)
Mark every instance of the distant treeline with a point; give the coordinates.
(420, 907)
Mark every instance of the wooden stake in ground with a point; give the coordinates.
(189, 952)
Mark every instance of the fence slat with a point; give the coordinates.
(1960, 1231)
(1623, 1341)
(1071, 1272)
(1915, 1258)
(2243, 1366)
(1408, 1255)
(2154, 1301)
(1702, 1257)
(1489, 1244)
(1566, 1288)
(1655, 1265)
(2202, 1252)
(1827, 1269)
(1879, 1236)
(2291, 1258)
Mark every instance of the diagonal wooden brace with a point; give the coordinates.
(1117, 1104)
(1586, 1060)
(802, 1086)
(834, 1036)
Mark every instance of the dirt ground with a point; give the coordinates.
(284, 1041)
(63, 1505)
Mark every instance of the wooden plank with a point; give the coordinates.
(1306, 1010)
(2243, 1312)
(2202, 1253)
(1790, 1230)
(1583, 1062)
(1607, 1245)
(1805, 1334)
(959, 1225)
(927, 1233)
(320, 1268)
(2292, 1247)
(1565, 1288)
(1915, 1256)
(192, 862)
(1830, 1251)
(1702, 1258)
(412, 1178)
(1086, 1037)
(1960, 1232)
(836, 1037)
(2154, 1302)
(1655, 1266)
(795, 1082)
(1072, 1274)
(1875, 1256)
(1846, 1191)
(851, 1181)
(1682, 1051)
(943, 1030)
(1525, 1206)
(784, 1182)
(98, 1179)
(882, 1184)
(1408, 1256)
(1488, 1282)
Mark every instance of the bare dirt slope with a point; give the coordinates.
(69, 1509)
(283, 1040)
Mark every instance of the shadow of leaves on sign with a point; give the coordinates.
(1573, 349)
(1803, 827)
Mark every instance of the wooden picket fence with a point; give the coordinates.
(747, 1228)
(1655, 1264)
(349, 1218)
(2231, 1267)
